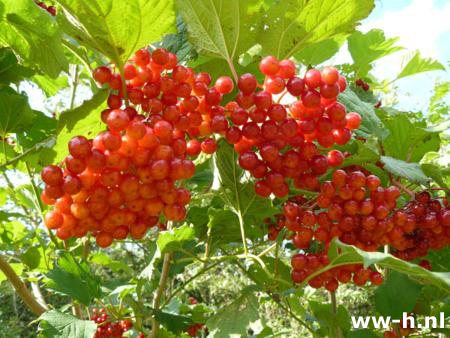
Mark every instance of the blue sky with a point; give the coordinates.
(422, 25)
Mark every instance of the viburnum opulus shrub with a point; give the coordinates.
(124, 180)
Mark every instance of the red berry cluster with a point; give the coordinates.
(119, 183)
(356, 210)
(194, 329)
(422, 224)
(362, 84)
(50, 9)
(306, 264)
(107, 328)
(169, 92)
(275, 141)
(353, 207)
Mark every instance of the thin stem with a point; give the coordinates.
(303, 323)
(21, 288)
(233, 70)
(72, 49)
(403, 188)
(74, 87)
(241, 225)
(161, 288)
(25, 153)
(337, 329)
(198, 274)
(262, 253)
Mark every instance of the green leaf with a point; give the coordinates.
(368, 47)
(83, 120)
(3, 196)
(441, 90)
(33, 35)
(327, 319)
(409, 140)
(50, 86)
(418, 65)
(220, 28)
(117, 28)
(31, 258)
(366, 152)
(225, 160)
(244, 310)
(370, 123)
(364, 333)
(108, 262)
(293, 25)
(10, 70)
(435, 173)
(321, 51)
(175, 323)
(74, 279)
(260, 276)
(352, 255)
(16, 114)
(62, 325)
(396, 295)
(169, 241)
(154, 255)
(410, 171)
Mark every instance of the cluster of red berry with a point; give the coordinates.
(356, 209)
(194, 329)
(274, 140)
(50, 9)
(304, 265)
(362, 84)
(422, 224)
(107, 328)
(119, 183)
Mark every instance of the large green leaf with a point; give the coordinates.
(396, 295)
(233, 319)
(10, 70)
(238, 195)
(220, 28)
(172, 240)
(410, 171)
(83, 120)
(15, 113)
(328, 320)
(295, 24)
(57, 324)
(409, 140)
(370, 124)
(31, 257)
(321, 51)
(368, 47)
(434, 172)
(74, 279)
(417, 65)
(117, 28)
(34, 35)
(349, 254)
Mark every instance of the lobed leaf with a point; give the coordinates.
(293, 25)
(33, 35)
(117, 29)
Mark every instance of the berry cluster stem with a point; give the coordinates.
(21, 288)
(161, 288)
